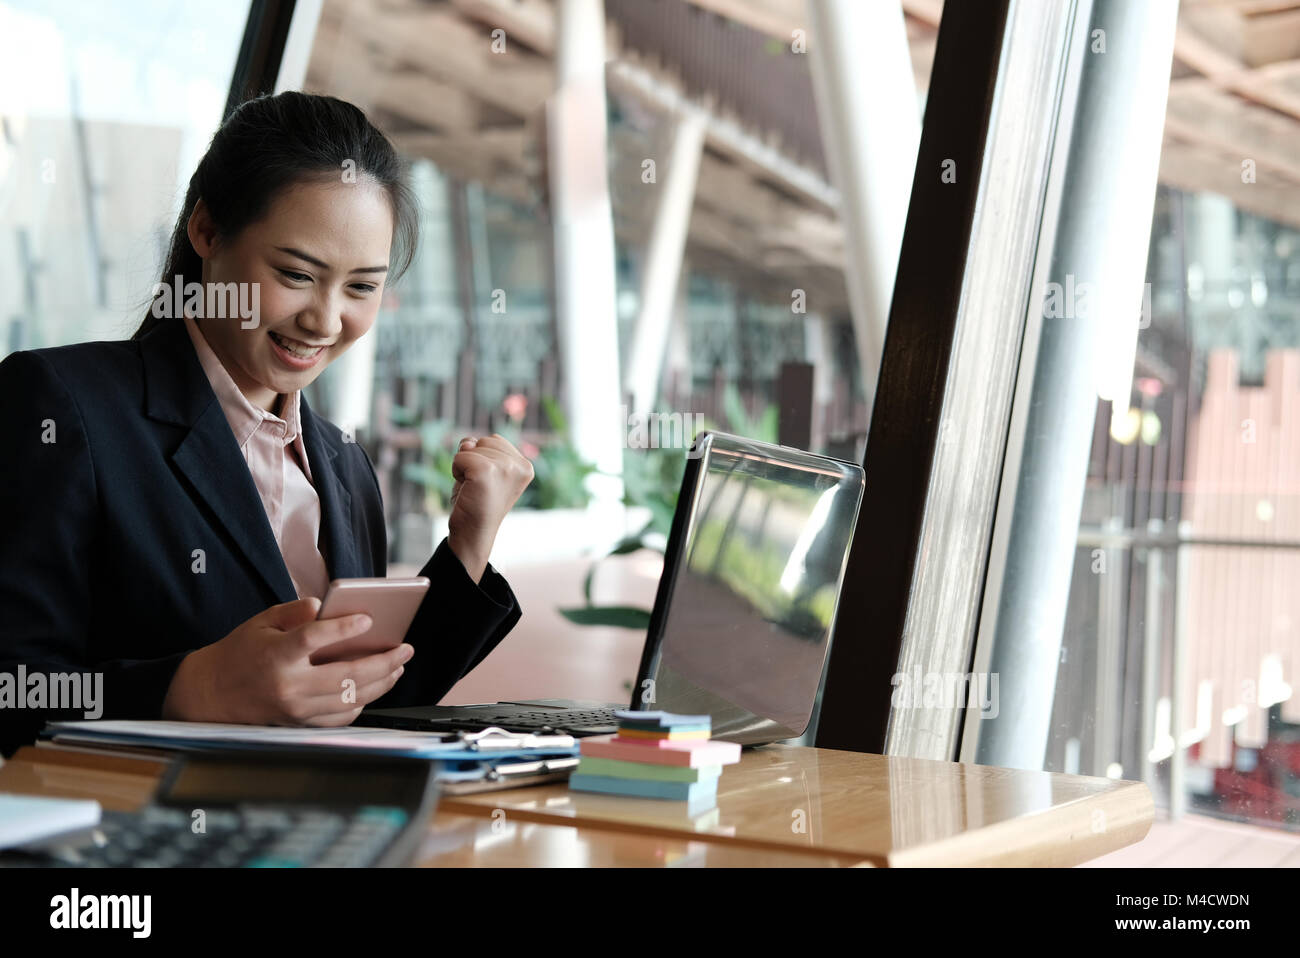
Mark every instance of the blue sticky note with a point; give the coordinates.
(661, 719)
(681, 791)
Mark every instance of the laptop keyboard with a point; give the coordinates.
(569, 718)
(574, 721)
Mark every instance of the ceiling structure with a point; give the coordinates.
(763, 210)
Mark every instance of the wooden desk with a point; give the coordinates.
(780, 806)
(882, 810)
(453, 839)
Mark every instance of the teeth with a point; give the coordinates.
(294, 348)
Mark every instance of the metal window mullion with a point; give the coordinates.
(260, 52)
(948, 582)
(1110, 175)
(869, 624)
(915, 572)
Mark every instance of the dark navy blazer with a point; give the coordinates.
(99, 531)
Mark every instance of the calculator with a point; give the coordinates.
(261, 810)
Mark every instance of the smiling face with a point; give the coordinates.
(320, 255)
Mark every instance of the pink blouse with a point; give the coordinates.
(277, 458)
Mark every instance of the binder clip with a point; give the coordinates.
(493, 738)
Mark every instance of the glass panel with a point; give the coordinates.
(472, 339)
(1181, 626)
(106, 109)
(468, 342)
(1190, 531)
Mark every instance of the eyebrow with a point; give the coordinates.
(323, 265)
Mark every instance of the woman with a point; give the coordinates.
(172, 510)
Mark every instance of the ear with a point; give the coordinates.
(201, 230)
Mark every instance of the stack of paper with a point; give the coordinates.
(492, 757)
(655, 755)
(29, 818)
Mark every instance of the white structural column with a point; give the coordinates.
(675, 183)
(817, 337)
(584, 245)
(353, 373)
(354, 384)
(1104, 224)
(677, 354)
(298, 45)
(871, 126)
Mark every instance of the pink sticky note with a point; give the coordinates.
(687, 754)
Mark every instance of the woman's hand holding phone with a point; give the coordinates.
(261, 673)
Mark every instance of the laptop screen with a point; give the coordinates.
(742, 622)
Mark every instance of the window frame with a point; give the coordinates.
(940, 423)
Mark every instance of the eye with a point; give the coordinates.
(295, 276)
(364, 287)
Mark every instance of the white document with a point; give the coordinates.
(140, 732)
(28, 818)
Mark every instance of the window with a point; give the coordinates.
(104, 112)
(1141, 617)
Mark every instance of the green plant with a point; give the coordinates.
(763, 427)
(641, 491)
(652, 479)
(559, 471)
(433, 471)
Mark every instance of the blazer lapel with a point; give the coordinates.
(337, 538)
(177, 391)
(212, 462)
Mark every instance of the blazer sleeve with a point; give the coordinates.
(457, 625)
(49, 514)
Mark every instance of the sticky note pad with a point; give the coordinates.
(661, 719)
(670, 735)
(681, 791)
(661, 752)
(656, 727)
(615, 768)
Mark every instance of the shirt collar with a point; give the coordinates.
(244, 417)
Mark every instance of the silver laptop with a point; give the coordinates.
(746, 605)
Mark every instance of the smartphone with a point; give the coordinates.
(390, 603)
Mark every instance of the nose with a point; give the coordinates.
(323, 320)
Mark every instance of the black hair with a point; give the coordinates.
(270, 143)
